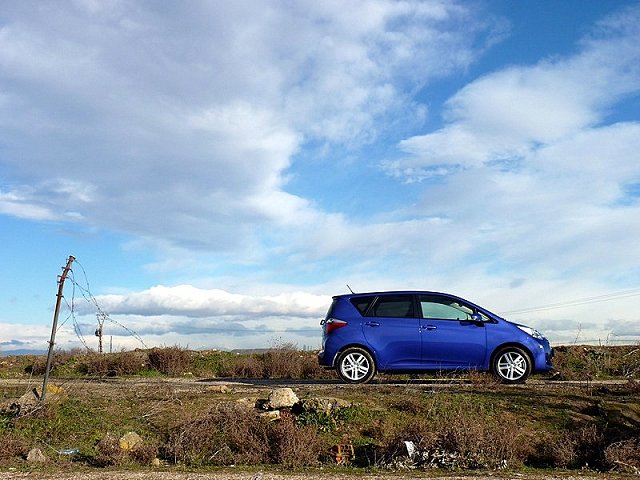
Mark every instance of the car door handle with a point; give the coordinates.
(429, 327)
(372, 324)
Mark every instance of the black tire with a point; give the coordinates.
(511, 365)
(356, 365)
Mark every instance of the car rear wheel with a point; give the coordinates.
(511, 365)
(355, 365)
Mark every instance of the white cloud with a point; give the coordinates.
(506, 115)
(192, 116)
(194, 302)
(531, 178)
(17, 204)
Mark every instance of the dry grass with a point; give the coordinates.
(281, 361)
(232, 433)
(108, 452)
(624, 456)
(294, 445)
(12, 446)
(170, 360)
(456, 435)
(587, 362)
(113, 364)
(579, 447)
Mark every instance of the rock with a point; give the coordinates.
(155, 462)
(248, 402)
(219, 389)
(281, 398)
(36, 456)
(271, 416)
(322, 405)
(129, 441)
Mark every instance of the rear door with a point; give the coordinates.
(391, 327)
(450, 338)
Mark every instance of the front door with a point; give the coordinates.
(450, 338)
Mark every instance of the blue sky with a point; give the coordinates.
(220, 169)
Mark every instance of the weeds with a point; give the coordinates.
(234, 434)
(585, 362)
(624, 456)
(170, 360)
(113, 364)
(12, 446)
(108, 452)
(280, 361)
(459, 434)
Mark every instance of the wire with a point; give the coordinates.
(581, 301)
(89, 298)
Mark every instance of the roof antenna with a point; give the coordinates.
(350, 288)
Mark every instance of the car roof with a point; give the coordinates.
(396, 292)
(413, 292)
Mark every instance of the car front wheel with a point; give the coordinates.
(355, 365)
(511, 365)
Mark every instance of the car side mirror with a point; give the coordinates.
(476, 317)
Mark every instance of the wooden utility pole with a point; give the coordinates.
(56, 313)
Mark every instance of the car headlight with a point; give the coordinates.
(531, 331)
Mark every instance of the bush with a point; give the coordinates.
(578, 447)
(585, 362)
(12, 446)
(108, 452)
(234, 434)
(170, 360)
(230, 433)
(624, 456)
(282, 361)
(247, 366)
(114, 364)
(61, 358)
(294, 445)
(456, 434)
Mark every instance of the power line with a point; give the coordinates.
(581, 301)
(90, 298)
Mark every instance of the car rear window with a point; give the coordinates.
(362, 303)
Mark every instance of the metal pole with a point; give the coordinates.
(65, 271)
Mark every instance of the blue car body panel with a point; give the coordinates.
(413, 343)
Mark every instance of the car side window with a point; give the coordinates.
(399, 306)
(444, 308)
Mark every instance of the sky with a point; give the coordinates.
(219, 170)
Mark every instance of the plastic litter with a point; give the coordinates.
(69, 451)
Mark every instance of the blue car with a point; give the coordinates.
(417, 331)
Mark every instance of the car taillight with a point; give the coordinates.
(334, 324)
